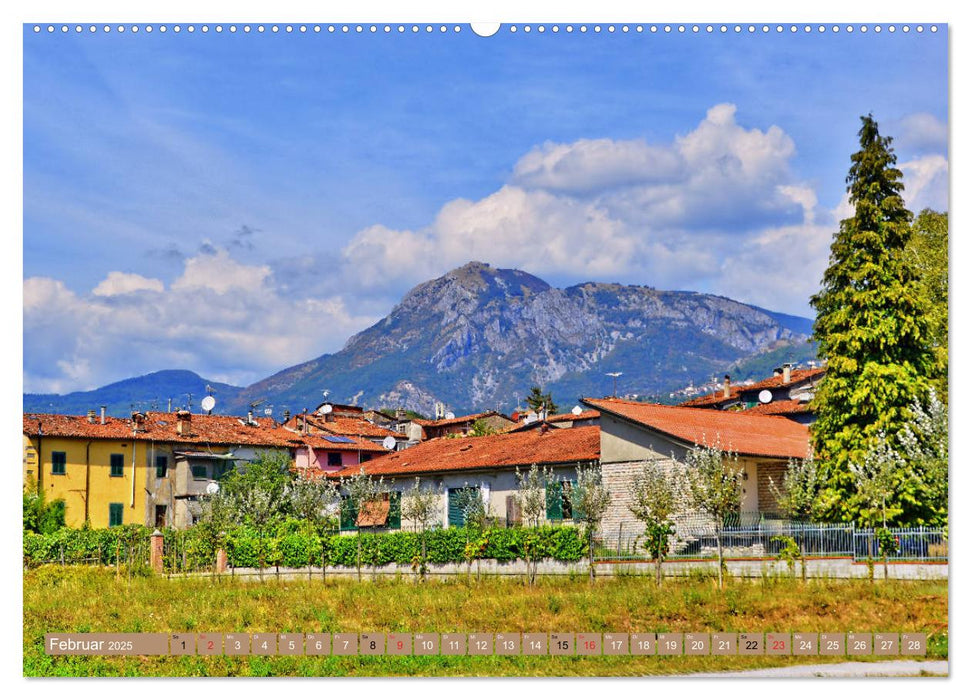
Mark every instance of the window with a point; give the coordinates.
(117, 465)
(161, 466)
(348, 514)
(220, 468)
(366, 457)
(199, 472)
(160, 513)
(58, 462)
(457, 498)
(115, 514)
(394, 510)
(559, 504)
(335, 459)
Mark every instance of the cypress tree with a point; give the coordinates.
(872, 330)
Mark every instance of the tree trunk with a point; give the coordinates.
(657, 570)
(593, 573)
(718, 539)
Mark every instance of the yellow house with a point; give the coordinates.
(119, 471)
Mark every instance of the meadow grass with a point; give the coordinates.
(89, 599)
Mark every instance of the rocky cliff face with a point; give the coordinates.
(479, 337)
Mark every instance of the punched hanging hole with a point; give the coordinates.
(485, 28)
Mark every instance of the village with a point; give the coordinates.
(153, 468)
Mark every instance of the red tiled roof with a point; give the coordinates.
(345, 425)
(161, 427)
(714, 399)
(795, 377)
(497, 451)
(472, 417)
(561, 417)
(778, 408)
(739, 431)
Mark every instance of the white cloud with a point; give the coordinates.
(919, 132)
(926, 181)
(667, 214)
(117, 283)
(225, 320)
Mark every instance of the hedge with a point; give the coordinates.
(293, 546)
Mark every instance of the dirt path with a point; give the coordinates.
(850, 669)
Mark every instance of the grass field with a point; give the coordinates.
(83, 599)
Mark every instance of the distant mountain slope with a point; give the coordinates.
(479, 337)
(144, 392)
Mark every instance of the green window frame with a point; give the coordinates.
(116, 514)
(58, 462)
(199, 472)
(394, 510)
(117, 465)
(348, 514)
(161, 466)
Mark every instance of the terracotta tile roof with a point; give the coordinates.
(746, 434)
(345, 425)
(472, 417)
(715, 399)
(561, 417)
(499, 451)
(161, 427)
(797, 376)
(779, 408)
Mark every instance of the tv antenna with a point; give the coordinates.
(614, 375)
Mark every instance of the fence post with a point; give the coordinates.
(221, 560)
(156, 551)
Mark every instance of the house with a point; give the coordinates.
(485, 465)
(420, 429)
(575, 419)
(633, 433)
(151, 468)
(786, 393)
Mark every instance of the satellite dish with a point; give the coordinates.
(212, 488)
(449, 416)
(576, 411)
(268, 411)
(765, 396)
(389, 443)
(326, 408)
(208, 403)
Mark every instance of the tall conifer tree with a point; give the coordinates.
(871, 328)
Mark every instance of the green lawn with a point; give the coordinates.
(82, 599)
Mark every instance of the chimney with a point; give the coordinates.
(777, 372)
(137, 421)
(286, 416)
(787, 373)
(727, 390)
(91, 416)
(103, 409)
(183, 422)
(249, 417)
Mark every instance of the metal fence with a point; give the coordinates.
(768, 539)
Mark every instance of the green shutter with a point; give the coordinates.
(161, 466)
(115, 514)
(348, 514)
(456, 499)
(58, 462)
(554, 500)
(394, 510)
(117, 465)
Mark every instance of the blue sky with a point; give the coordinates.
(235, 203)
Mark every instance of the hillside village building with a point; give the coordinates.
(152, 468)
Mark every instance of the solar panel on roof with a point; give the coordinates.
(336, 438)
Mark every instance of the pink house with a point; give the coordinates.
(331, 453)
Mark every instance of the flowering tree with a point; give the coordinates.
(421, 506)
(530, 496)
(590, 499)
(654, 500)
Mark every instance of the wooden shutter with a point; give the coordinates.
(115, 514)
(394, 510)
(554, 500)
(348, 515)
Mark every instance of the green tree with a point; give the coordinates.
(590, 500)
(927, 251)
(480, 429)
(924, 444)
(39, 515)
(530, 496)
(537, 400)
(653, 501)
(798, 499)
(422, 507)
(715, 488)
(361, 489)
(870, 325)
